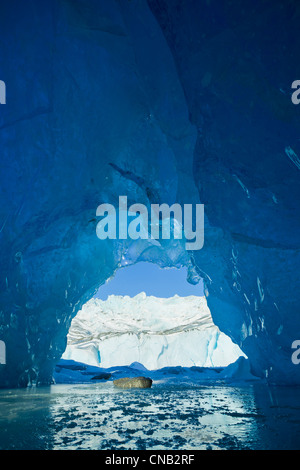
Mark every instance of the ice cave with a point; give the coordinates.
(164, 102)
(171, 121)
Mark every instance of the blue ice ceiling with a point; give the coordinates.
(163, 101)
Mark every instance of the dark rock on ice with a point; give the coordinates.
(133, 382)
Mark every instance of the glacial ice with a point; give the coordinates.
(155, 332)
(163, 102)
(73, 372)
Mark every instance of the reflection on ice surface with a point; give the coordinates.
(97, 416)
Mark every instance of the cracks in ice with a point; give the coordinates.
(37, 112)
(141, 182)
(242, 185)
(293, 156)
(239, 237)
(260, 290)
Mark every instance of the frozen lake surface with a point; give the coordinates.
(180, 417)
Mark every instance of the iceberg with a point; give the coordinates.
(154, 332)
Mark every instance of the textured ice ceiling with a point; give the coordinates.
(164, 102)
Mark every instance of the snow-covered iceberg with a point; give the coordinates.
(156, 332)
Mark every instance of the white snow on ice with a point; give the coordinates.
(156, 332)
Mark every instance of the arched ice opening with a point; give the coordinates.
(152, 317)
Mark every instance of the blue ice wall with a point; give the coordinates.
(236, 64)
(163, 102)
(94, 110)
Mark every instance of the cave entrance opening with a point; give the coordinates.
(148, 318)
